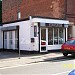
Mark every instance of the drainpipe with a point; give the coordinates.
(65, 9)
(65, 19)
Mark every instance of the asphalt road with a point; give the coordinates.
(50, 66)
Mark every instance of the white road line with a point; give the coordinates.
(62, 73)
(7, 67)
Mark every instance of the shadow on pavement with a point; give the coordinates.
(13, 54)
(8, 54)
(5, 55)
(59, 59)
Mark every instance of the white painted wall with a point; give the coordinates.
(26, 32)
(25, 35)
(54, 47)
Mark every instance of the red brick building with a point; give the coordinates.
(70, 10)
(70, 15)
(44, 8)
(39, 28)
(62, 9)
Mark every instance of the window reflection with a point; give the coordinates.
(16, 39)
(55, 36)
(43, 36)
(50, 36)
(10, 39)
(5, 40)
(5, 35)
(61, 38)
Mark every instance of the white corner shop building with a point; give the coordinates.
(35, 34)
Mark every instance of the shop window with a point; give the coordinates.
(5, 40)
(5, 35)
(43, 36)
(10, 35)
(50, 36)
(16, 39)
(16, 34)
(55, 35)
(10, 40)
(35, 31)
(61, 38)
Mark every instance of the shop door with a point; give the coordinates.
(5, 40)
(10, 40)
(43, 40)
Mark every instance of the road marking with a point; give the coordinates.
(61, 73)
(7, 67)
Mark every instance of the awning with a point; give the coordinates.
(51, 22)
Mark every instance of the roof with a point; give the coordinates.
(42, 20)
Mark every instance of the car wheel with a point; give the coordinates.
(65, 54)
(73, 54)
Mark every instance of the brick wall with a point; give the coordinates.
(70, 15)
(44, 8)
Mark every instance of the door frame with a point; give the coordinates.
(46, 39)
(13, 29)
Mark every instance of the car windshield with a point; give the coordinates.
(70, 42)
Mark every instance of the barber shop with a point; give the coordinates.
(35, 34)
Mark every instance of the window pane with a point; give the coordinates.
(16, 34)
(10, 35)
(16, 39)
(5, 44)
(10, 44)
(5, 35)
(10, 40)
(61, 38)
(43, 36)
(16, 44)
(35, 31)
(71, 42)
(55, 35)
(50, 36)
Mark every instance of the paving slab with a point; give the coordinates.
(25, 59)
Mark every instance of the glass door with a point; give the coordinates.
(10, 39)
(16, 39)
(43, 41)
(5, 40)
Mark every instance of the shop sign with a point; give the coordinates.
(56, 25)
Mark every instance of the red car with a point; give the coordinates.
(68, 47)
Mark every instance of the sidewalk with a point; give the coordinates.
(26, 60)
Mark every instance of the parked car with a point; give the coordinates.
(68, 47)
(72, 72)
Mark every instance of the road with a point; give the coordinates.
(50, 66)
